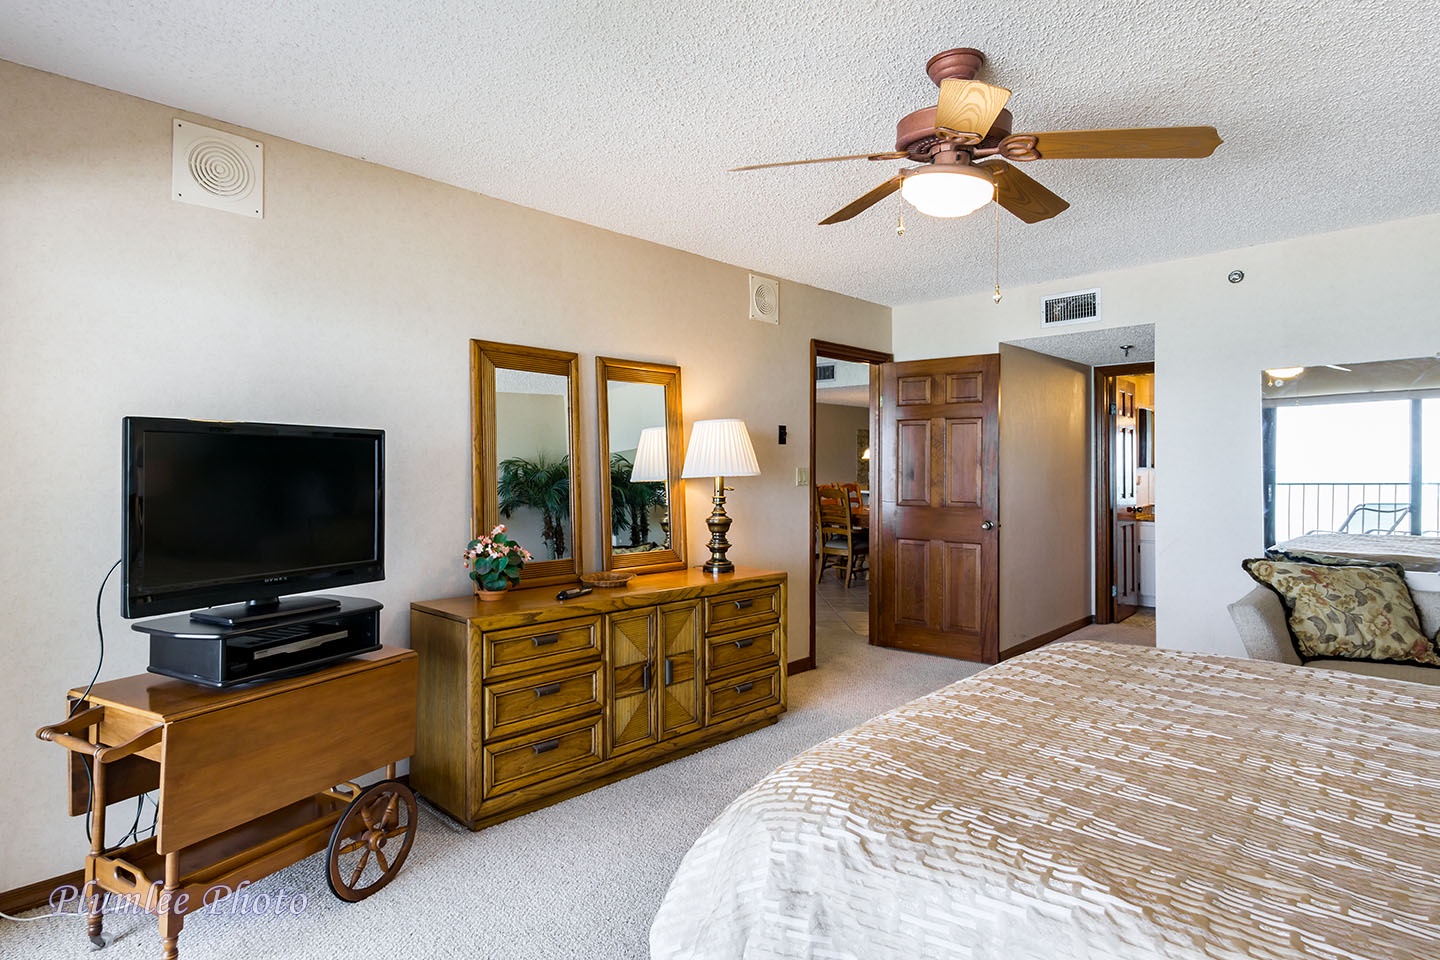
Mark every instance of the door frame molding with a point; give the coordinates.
(837, 351)
(1104, 576)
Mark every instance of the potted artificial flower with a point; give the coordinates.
(495, 562)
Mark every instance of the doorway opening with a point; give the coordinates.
(844, 400)
(1125, 493)
(1119, 482)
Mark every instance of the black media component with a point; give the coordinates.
(241, 513)
(221, 656)
(574, 592)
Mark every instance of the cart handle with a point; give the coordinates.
(63, 734)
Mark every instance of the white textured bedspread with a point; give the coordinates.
(1090, 800)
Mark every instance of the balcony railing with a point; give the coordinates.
(1301, 508)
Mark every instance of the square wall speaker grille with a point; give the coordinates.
(212, 168)
(764, 299)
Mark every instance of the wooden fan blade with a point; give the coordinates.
(1134, 143)
(1022, 195)
(864, 203)
(892, 155)
(969, 107)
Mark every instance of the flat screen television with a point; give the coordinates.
(241, 513)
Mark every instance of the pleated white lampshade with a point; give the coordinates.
(720, 448)
(652, 458)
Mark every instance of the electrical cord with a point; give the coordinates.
(100, 632)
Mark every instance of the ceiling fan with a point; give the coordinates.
(964, 142)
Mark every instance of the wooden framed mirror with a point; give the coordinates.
(642, 504)
(524, 430)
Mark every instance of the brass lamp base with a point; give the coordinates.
(719, 524)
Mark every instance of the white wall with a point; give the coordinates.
(1364, 294)
(836, 426)
(1045, 517)
(351, 303)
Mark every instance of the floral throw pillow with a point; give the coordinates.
(1347, 611)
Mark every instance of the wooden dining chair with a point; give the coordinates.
(841, 544)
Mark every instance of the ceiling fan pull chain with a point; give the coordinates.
(997, 252)
(900, 225)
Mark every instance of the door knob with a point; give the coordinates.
(988, 525)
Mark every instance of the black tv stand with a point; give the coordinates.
(263, 610)
(220, 655)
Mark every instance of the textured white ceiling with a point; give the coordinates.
(1104, 347)
(626, 115)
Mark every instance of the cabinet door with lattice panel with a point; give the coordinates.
(679, 690)
(629, 679)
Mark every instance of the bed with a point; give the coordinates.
(1413, 553)
(1089, 800)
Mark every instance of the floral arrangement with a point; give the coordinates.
(494, 560)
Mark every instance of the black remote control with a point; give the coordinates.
(573, 592)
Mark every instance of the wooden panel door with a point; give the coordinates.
(679, 668)
(937, 586)
(1124, 461)
(629, 670)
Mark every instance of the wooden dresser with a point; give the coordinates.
(528, 700)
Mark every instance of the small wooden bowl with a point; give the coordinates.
(606, 578)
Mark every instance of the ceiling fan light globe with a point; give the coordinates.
(947, 191)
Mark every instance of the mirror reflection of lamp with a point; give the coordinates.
(719, 449)
(652, 464)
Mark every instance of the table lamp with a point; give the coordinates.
(719, 449)
(652, 464)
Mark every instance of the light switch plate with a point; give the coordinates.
(802, 476)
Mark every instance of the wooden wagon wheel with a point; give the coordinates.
(371, 840)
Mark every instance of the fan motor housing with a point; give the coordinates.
(915, 133)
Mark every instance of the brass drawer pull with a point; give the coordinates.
(547, 689)
(745, 687)
(747, 642)
(546, 746)
(545, 639)
(744, 604)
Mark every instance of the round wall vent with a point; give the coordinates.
(212, 168)
(764, 299)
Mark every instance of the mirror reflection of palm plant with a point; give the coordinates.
(630, 503)
(541, 484)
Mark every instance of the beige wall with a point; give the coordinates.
(835, 427)
(1353, 295)
(350, 303)
(1044, 495)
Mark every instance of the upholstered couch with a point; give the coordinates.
(1260, 618)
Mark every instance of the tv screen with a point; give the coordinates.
(220, 513)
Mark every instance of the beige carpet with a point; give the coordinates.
(580, 879)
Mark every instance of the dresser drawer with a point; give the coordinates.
(731, 698)
(522, 649)
(742, 652)
(741, 609)
(545, 755)
(547, 698)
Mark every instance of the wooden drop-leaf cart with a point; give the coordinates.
(250, 780)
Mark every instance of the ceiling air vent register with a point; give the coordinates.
(1082, 306)
(764, 299)
(212, 168)
(825, 371)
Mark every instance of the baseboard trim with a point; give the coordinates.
(800, 666)
(38, 894)
(1035, 643)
